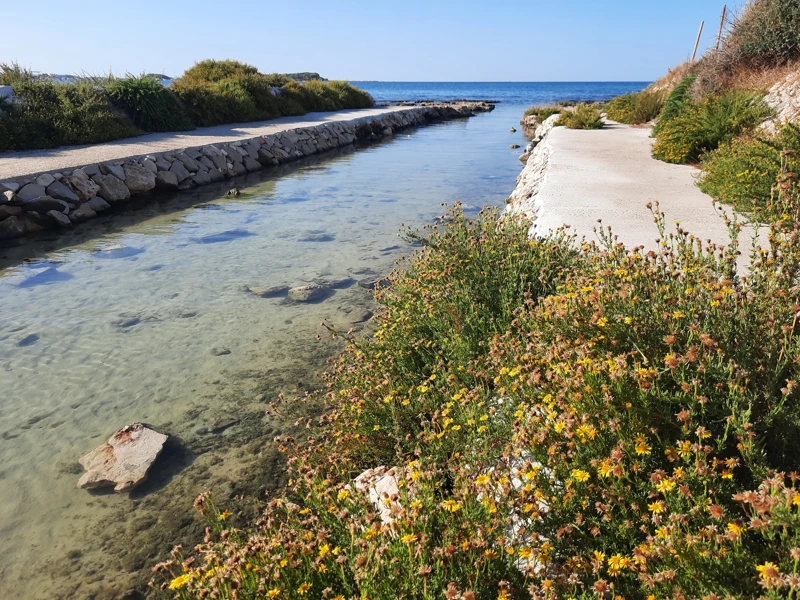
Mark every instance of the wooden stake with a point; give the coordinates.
(697, 43)
(721, 24)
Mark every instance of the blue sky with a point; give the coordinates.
(410, 40)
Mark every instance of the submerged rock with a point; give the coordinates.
(309, 293)
(124, 460)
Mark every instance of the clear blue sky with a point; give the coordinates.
(411, 40)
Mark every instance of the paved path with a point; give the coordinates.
(16, 164)
(609, 174)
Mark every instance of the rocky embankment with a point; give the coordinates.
(522, 201)
(33, 203)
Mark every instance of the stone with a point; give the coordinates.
(238, 168)
(10, 186)
(59, 191)
(219, 351)
(275, 291)
(166, 179)
(83, 187)
(180, 171)
(219, 162)
(80, 174)
(251, 164)
(12, 227)
(150, 165)
(189, 163)
(112, 189)
(215, 175)
(162, 163)
(9, 211)
(45, 179)
(383, 490)
(34, 222)
(371, 283)
(115, 170)
(514, 146)
(6, 91)
(83, 212)
(31, 191)
(91, 170)
(205, 161)
(138, 179)
(308, 293)
(9, 198)
(223, 422)
(98, 205)
(44, 204)
(124, 460)
(60, 218)
(201, 178)
(192, 153)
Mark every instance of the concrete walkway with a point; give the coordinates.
(609, 174)
(17, 164)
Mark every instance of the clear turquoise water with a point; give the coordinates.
(141, 316)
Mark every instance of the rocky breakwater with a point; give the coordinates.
(33, 203)
(523, 200)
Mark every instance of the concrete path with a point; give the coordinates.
(609, 174)
(17, 164)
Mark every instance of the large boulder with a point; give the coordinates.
(44, 204)
(83, 187)
(139, 179)
(59, 191)
(83, 212)
(124, 460)
(98, 205)
(112, 189)
(11, 228)
(166, 179)
(31, 191)
(308, 293)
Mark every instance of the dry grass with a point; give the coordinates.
(673, 77)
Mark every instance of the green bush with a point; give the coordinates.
(677, 100)
(584, 116)
(561, 423)
(768, 31)
(635, 109)
(703, 127)
(542, 113)
(150, 105)
(744, 172)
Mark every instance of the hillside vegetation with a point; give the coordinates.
(48, 113)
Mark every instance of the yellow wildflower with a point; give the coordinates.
(179, 582)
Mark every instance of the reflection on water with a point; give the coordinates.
(149, 315)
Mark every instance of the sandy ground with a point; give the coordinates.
(609, 174)
(17, 164)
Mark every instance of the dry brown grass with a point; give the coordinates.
(673, 77)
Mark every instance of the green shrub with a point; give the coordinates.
(744, 172)
(150, 105)
(600, 424)
(542, 113)
(350, 96)
(703, 127)
(584, 116)
(635, 109)
(677, 100)
(768, 31)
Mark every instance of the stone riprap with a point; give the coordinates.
(35, 202)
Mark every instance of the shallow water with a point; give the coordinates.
(142, 316)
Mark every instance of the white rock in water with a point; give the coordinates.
(123, 461)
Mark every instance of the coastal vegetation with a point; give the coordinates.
(637, 108)
(559, 420)
(583, 116)
(46, 113)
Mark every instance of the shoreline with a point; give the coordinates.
(78, 183)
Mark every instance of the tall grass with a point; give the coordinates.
(584, 116)
(635, 109)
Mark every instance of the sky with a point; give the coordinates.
(411, 40)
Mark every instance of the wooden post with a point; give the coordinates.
(721, 24)
(697, 43)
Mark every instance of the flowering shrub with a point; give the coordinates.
(560, 422)
(634, 109)
(585, 116)
(744, 173)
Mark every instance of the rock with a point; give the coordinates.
(359, 315)
(180, 171)
(251, 165)
(9, 198)
(9, 211)
(60, 218)
(233, 192)
(162, 163)
(124, 460)
(387, 131)
(223, 422)
(59, 191)
(514, 146)
(83, 187)
(115, 170)
(150, 165)
(190, 163)
(11, 228)
(31, 191)
(275, 291)
(90, 170)
(381, 486)
(45, 179)
(138, 179)
(512, 130)
(98, 205)
(201, 178)
(112, 189)
(219, 351)
(44, 204)
(166, 179)
(83, 212)
(371, 283)
(308, 293)
(34, 222)
(8, 185)
(28, 340)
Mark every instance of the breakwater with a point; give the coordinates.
(34, 202)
